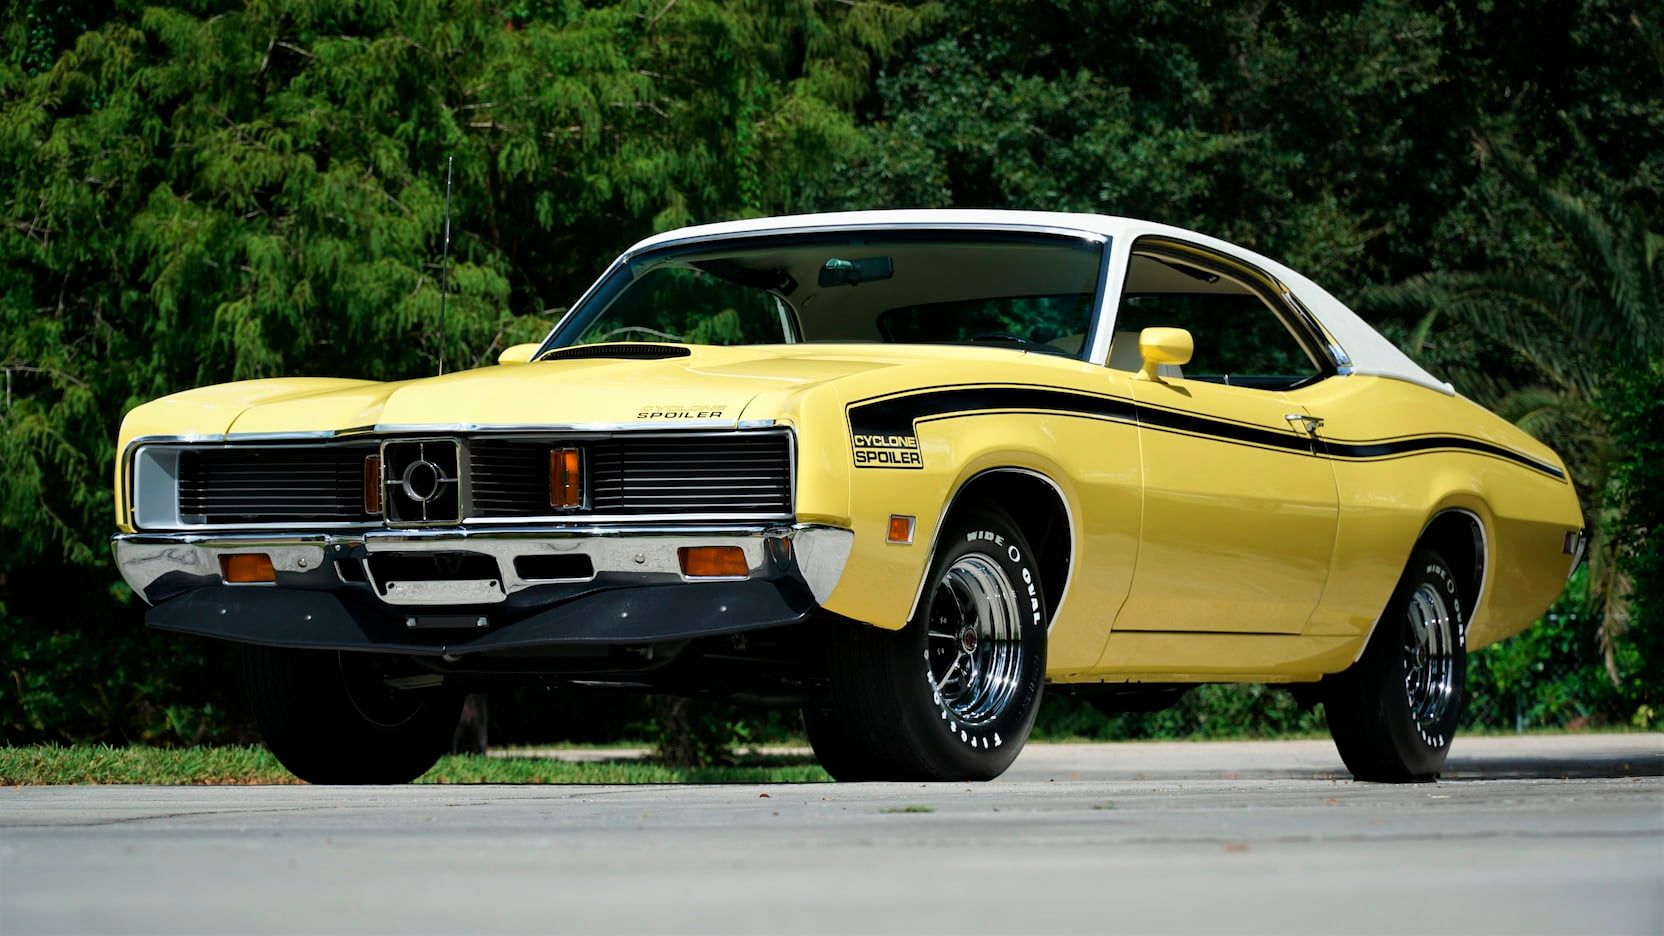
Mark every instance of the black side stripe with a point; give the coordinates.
(896, 415)
(1374, 450)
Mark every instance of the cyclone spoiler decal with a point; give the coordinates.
(886, 451)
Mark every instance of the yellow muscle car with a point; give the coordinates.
(899, 470)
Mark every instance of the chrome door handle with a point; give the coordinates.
(1308, 422)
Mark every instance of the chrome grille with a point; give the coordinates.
(742, 474)
(273, 485)
(709, 475)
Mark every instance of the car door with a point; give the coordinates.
(1240, 507)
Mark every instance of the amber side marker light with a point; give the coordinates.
(713, 562)
(247, 568)
(372, 484)
(901, 529)
(566, 479)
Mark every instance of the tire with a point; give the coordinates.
(838, 753)
(1393, 714)
(329, 718)
(953, 695)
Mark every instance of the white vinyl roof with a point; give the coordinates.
(1369, 352)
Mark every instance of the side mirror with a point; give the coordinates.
(517, 354)
(1163, 346)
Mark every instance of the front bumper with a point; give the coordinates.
(332, 591)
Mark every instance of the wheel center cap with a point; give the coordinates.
(967, 639)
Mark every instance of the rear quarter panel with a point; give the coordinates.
(1386, 502)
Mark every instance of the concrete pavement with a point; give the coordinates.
(1233, 837)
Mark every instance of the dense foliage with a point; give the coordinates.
(204, 190)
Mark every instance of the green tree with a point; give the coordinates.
(214, 190)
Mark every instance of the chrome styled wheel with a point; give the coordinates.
(973, 658)
(1429, 657)
(953, 694)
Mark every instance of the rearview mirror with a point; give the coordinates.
(517, 354)
(838, 272)
(1163, 346)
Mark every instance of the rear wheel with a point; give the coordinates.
(334, 718)
(1393, 714)
(953, 695)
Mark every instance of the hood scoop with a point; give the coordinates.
(624, 352)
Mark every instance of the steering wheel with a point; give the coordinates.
(627, 329)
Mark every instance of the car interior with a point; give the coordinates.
(1018, 292)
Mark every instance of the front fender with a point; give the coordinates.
(205, 413)
(1092, 464)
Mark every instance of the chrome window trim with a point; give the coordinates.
(578, 433)
(1313, 339)
(1343, 361)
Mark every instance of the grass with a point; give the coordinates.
(243, 765)
(906, 810)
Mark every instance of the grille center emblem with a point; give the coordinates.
(422, 481)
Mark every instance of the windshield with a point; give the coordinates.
(1030, 292)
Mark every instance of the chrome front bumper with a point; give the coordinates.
(192, 559)
(327, 593)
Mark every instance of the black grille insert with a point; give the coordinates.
(742, 474)
(273, 485)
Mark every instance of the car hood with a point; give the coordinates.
(710, 386)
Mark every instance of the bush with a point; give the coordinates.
(82, 667)
(1214, 711)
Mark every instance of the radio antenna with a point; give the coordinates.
(445, 265)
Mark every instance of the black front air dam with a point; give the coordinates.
(333, 620)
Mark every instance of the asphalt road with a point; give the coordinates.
(1527, 835)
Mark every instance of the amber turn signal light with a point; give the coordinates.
(247, 568)
(566, 480)
(372, 484)
(713, 562)
(901, 529)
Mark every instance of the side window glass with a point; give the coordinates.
(1239, 339)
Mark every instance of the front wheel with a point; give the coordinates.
(1393, 714)
(953, 695)
(334, 718)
